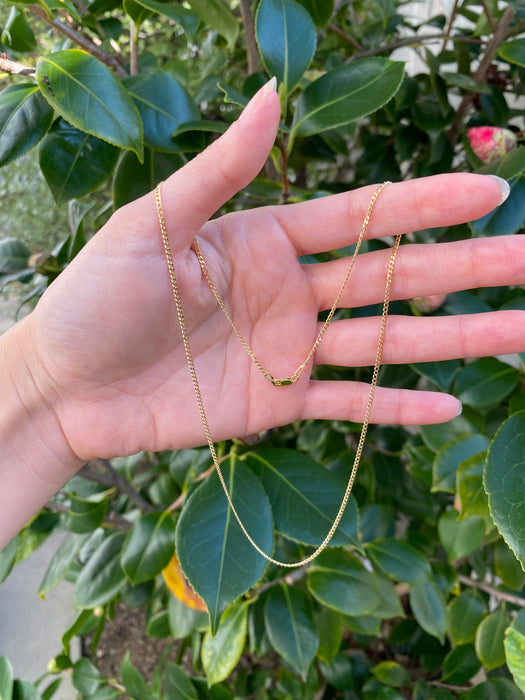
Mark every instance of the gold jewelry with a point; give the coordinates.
(284, 381)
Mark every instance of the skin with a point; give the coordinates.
(98, 369)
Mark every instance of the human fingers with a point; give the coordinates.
(347, 401)
(422, 270)
(195, 192)
(353, 342)
(332, 222)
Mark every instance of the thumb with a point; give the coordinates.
(195, 192)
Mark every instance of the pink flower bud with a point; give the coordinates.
(491, 142)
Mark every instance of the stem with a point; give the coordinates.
(81, 40)
(249, 33)
(122, 484)
(344, 35)
(7, 65)
(290, 579)
(285, 192)
(179, 501)
(133, 48)
(450, 24)
(491, 590)
(412, 40)
(490, 16)
(114, 520)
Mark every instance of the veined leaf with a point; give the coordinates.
(286, 36)
(464, 614)
(515, 655)
(513, 51)
(25, 117)
(149, 546)
(289, 623)
(87, 95)
(220, 653)
(178, 685)
(305, 497)
(213, 552)
(134, 179)
(450, 456)
(345, 94)
(490, 636)
(218, 17)
(485, 382)
(176, 582)
(428, 607)
(61, 562)
(459, 537)
(399, 560)
(187, 20)
(102, 577)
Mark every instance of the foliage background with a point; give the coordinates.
(422, 594)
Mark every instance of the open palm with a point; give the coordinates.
(108, 336)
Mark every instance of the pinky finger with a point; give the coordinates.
(348, 401)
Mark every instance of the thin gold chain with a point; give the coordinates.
(286, 380)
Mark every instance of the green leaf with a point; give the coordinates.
(221, 653)
(214, 554)
(215, 15)
(440, 373)
(451, 456)
(187, 20)
(102, 577)
(469, 488)
(290, 627)
(8, 558)
(61, 562)
(342, 582)
(390, 605)
(503, 480)
(6, 678)
(513, 51)
(73, 162)
(149, 546)
(86, 677)
(391, 673)
(345, 94)
(286, 37)
(319, 10)
(134, 179)
(183, 619)
(305, 497)
(133, 680)
(163, 105)
(87, 95)
(464, 614)
(460, 664)
(178, 685)
(428, 606)
(17, 33)
(507, 567)
(515, 655)
(24, 690)
(399, 560)
(329, 626)
(508, 167)
(25, 117)
(504, 220)
(489, 639)
(85, 515)
(459, 537)
(494, 689)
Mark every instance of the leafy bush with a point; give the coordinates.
(422, 593)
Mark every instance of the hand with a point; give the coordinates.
(110, 358)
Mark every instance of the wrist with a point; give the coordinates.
(35, 457)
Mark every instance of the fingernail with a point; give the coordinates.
(460, 409)
(504, 187)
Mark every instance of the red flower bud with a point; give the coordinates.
(491, 142)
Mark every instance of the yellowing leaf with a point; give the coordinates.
(179, 586)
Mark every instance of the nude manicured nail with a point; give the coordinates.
(504, 187)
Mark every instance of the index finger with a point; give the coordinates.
(332, 222)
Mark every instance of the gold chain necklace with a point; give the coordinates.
(284, 381)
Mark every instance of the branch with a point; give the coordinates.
(249, 33)
(491, 590)
(133, 48)
(290, 579)
(347, 37)
(481, 73)
(450, 24)
(7, 65)
(118, 481)
(114, 520)
(413, 40)
(86, 44)
(490, 16)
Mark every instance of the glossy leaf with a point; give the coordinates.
(87, 95)
(176, 582)
(75, 163)
(8, 558)
(515, 655)
(429, 609)
(286, 37)
(61, 562)
(513, 51)
(329, 626)
(460, 665)
(507, 567)
(289, 623)
(503, 480)
(390, 605)
(17, 33)
(391, 673)
(494, 689)
(464, 614)
(25, 117)
(187, 20)
(24, 690)
(342, 582)
(504, 220)
(134, 179)
(6, 678)
(218, 17)
(459, 537)
(213, 552)
(469, 488)
(489, 639)
(399, 560)
(440, 373)
(178, 685)
(449, 458)
(184, 620)
(163, 105)
(508, 167)
(319, 10)
(222, 651)
(102, 577)
(85, 515)
(149, 546)
(133, 680)
(86, 677)
(305, 497)
(345, 94)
